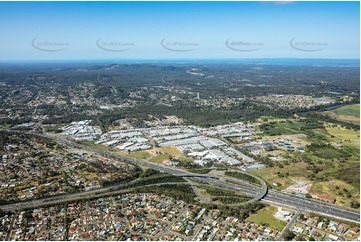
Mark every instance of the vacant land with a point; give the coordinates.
(223, 196)
(331, 160)
(160, 158)
(350, 110)
(349, 113)
(170, 150)
(342, 191)
(344, 135)
(141, 155)
(158, 155)
(265, 217)
(281, 178)
(273, 128)
(331, 178)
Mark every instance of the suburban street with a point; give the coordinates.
(289, 224)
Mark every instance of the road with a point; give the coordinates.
(202, 198)
(170, 225)
(259, 192)
(289, 225)
(12, 223)
(298, 203)
(80, 195)
(312, 206)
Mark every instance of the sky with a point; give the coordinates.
(178, 30)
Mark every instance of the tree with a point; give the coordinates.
(355, 204)
(288, 235)
(2, 213)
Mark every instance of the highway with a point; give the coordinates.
(123, 188)
(297, 203)
(258, 192)
(312, 206)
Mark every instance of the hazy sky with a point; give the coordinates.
(178, 30)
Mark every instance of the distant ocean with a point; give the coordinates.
(268, 61)
(278, 61)
(307, 62)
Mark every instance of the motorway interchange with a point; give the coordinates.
(259, 193)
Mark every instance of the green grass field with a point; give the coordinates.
(287, 127)
(295, 171)
(200, 171)
(350, 110)
(349, 114)
(142, 155)
(170, 150)
(345, 135)
(159, 158)
(265, 217)
(327, 152)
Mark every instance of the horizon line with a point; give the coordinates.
(173, 59)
